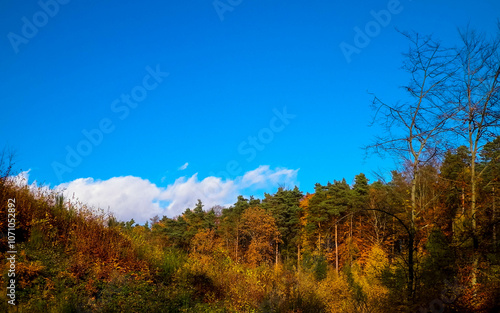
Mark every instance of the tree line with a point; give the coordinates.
(437, 217)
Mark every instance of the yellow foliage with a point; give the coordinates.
(27, 272)
(204, 242)
(334, 292)
(375, 262)
(261, 227)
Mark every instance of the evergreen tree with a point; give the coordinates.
(284, 206)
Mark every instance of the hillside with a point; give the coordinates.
(342, 249)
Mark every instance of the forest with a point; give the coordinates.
(420, 238)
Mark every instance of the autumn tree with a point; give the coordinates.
(478, 109)
(230, 225)
(204, 241)
(260, 228)
(428, 195)
(413, 127)
(377, 201)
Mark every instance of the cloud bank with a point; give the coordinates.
(130, 197)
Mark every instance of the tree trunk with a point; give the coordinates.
(494, 217)
(393, 236)
(319, 238)
(237, 241)
(412, 232)
(276, 253)
(298, 258)
(336, 252)
(410, 265)
(463, 199)
(351, 228)
(475, 240)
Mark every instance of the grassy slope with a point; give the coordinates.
(69, 261)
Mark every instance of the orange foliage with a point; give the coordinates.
(260, 226)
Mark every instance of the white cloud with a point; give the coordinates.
(184, 192)
(264, 177)
(134, 197)
(183, 167)
(38, 191)
(127, 197)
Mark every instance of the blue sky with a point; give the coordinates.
(270, 70)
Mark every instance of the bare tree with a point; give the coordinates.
(478, 109)
(7, 157)
(154, 220)
(414, 128)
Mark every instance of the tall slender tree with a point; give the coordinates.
(490, 156)
(478, 109)
(413, 127)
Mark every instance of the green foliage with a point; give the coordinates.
(325, 207)
(456, 173)
(360, 192)
(73, 258)
(320, 268)
(438, 265)
(284, 206)
(171, 262)
(315, 264)
(359, 295)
